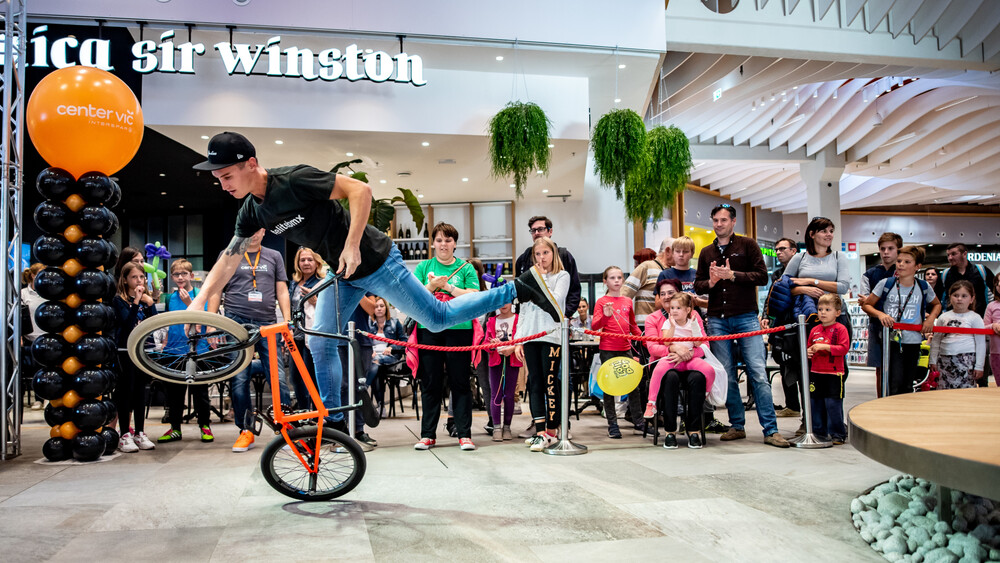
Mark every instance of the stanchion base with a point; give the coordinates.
(565, 447)
(809, 441)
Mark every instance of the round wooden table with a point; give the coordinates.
(950, 437)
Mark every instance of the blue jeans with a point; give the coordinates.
(754, 357)
(240, 384)
(398, 286)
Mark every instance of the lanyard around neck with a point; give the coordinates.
(253, 267)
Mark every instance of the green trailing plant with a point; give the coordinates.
(619, 143)
(519, 143)
(662, 174)
(382, 210)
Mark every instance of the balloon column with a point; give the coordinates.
(87, 124)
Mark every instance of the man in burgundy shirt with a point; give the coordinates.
(729, 271)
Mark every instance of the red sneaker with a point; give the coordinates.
(425, 444)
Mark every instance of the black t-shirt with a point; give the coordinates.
(297, 206)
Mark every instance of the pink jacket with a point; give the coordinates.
(654, 326)
(491, 333)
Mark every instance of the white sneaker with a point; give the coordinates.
(127, 444)
(143, 442)
(541, 442)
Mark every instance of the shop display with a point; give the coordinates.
(858, 354)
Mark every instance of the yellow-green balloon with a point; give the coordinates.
(619, 376)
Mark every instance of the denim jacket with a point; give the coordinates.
(392, 330)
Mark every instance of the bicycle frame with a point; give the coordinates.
(282, 422)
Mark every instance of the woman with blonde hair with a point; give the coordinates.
(541, 356)
(310, 269)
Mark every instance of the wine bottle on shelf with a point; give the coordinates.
(426, 251)
(425, 230)
(408, 233)
(399, 232)
(406, 252)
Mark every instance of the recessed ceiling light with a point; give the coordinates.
(499, 57)
(545, 191)
(465, 179)
(162, 175)
(204, 137)
(381, 181)
(512, 185)
(279, 142)
(180, 206)
(425, 144)
(541, 172)
(163, 193)
(216, 183)
(621, 66)
(368, 50)
(551, 146)
(420, 196)
(349, 153)
(618, 100)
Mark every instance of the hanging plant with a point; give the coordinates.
(619, 143)
(661, 175)
(382, 210)
(519, 143)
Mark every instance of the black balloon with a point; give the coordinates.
(109, 266)
(111, 438)
(92, 284)
(57, 449)
(49, 350)
(96, 220)
(49, 384)
(53, 316)
(52, 250)
(54, 416)
(111, 408)
(88, 446)
(91, 251)
(53, 217)
(89, 415)
(95, 187)
(91, 383)
(55, 183)
(116, 195)
(92, 349)
(53, 284)
(94, 317)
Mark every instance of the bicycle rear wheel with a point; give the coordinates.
(341, 467)
(165, 347)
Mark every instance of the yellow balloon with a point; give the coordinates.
(619, 376)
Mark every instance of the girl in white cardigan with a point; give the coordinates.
(541, 356)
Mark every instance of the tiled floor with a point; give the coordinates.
(625, 500)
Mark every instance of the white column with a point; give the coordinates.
(822, 179)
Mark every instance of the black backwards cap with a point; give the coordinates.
(227, 149)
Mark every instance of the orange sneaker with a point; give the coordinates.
(244, 442)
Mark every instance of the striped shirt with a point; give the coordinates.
(640, 287)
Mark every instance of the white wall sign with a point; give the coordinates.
(984, 257)
(237, 58)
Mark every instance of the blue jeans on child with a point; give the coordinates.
(398, 286)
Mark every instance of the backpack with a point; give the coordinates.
(978, 268)
(890, 282)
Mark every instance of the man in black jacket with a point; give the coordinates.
(541, 226)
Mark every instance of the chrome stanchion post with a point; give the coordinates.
(885, 361)
(351, 383)
(564, 446)
(807, 440)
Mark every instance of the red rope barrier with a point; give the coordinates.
(694, 338)
(947, 329)
(452, 348)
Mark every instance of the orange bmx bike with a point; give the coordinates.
(307, 460)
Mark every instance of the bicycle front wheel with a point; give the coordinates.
(191, 347)
(341, 466)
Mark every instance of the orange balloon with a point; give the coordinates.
(71, 398)
(72, 267)
(55, 431)
(56, 402)
(73, 233)
(68, 430)
(71, 334)
(83, 119)
(73, 300)
(75, 203)
(71, 365)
